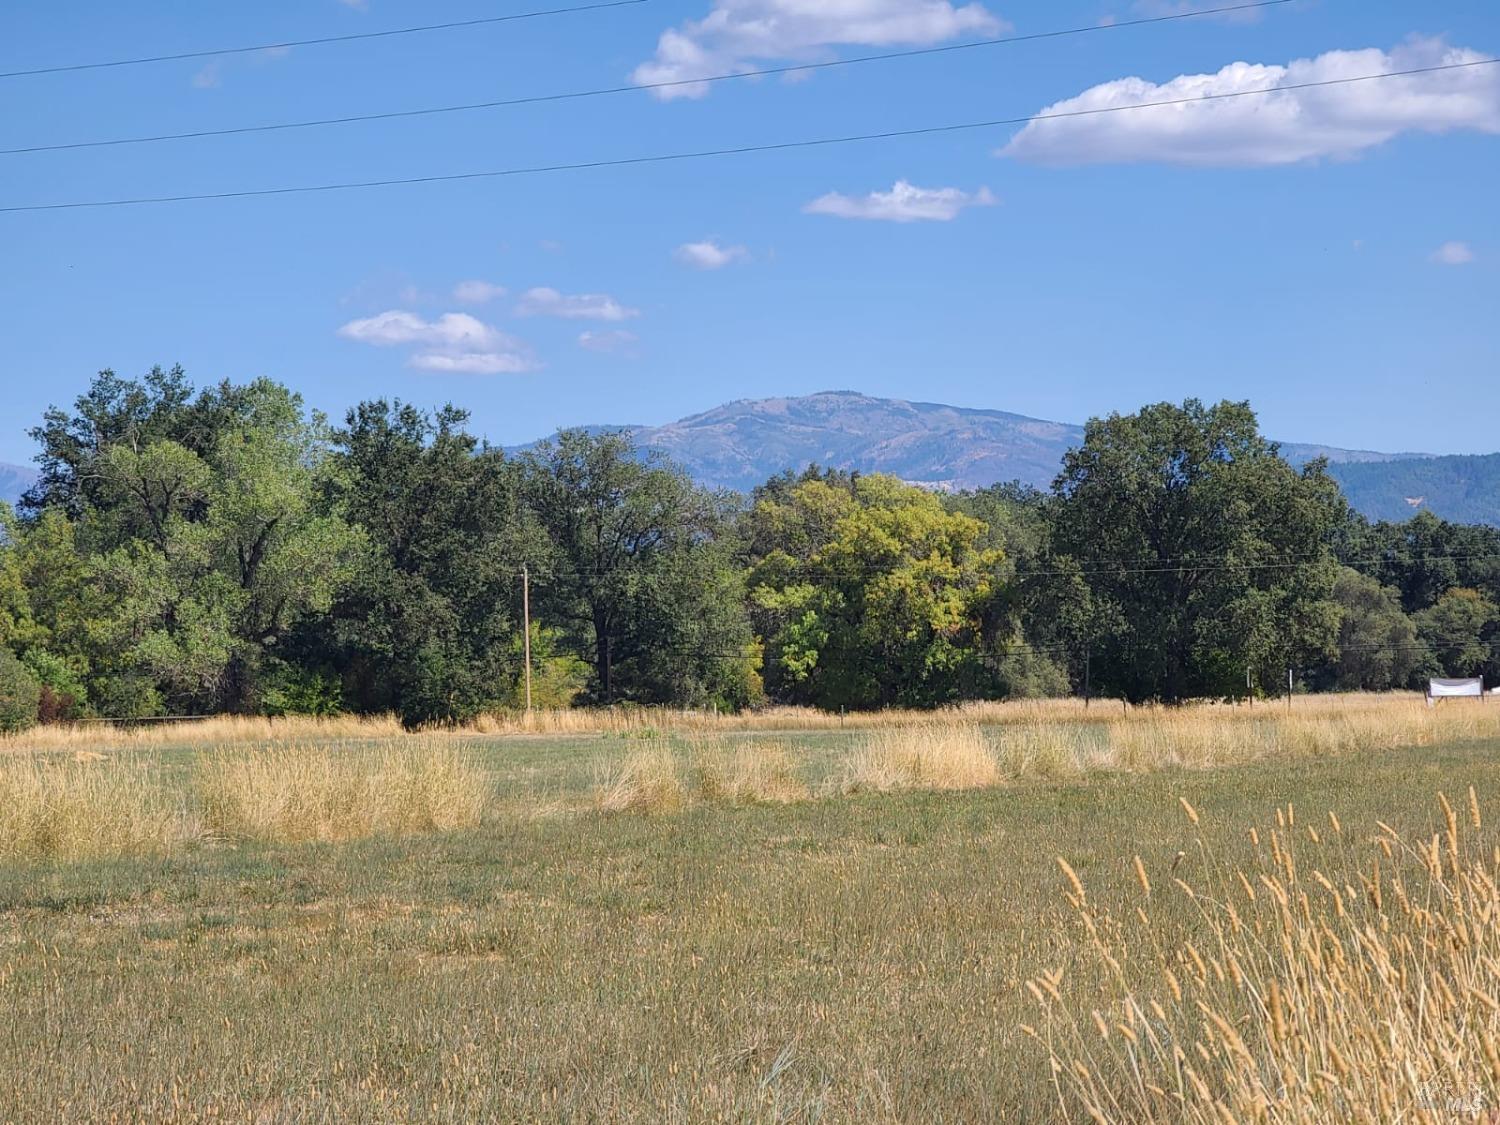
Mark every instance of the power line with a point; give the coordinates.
(603, 91)
(739, 150)
(1101, 568)
(321, 41)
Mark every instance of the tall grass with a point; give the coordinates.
(931, 756)
(53, 808)
(1329, 979)
(1402, 712)
(299, 793)
(654, 780)
(648, 780)
(747, 773)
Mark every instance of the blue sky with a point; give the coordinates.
(1333, 255)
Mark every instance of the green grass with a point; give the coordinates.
(850, 958)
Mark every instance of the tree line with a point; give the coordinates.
(193, 551)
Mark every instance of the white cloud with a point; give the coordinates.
(584, 306)
(1453, 254)
(453, 343)
(477, 292)
(473, 363)
(1275, 128)
(709, 255)
(208, 78)
(904, 203)
(741, 35)
(614, 340)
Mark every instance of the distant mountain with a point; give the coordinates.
(1466, 489)
(14, 480)
(740, 444)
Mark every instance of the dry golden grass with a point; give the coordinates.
(296, 793)
(654, 780)
(647, 781)
(1330, 980)
(1199, 730)
(51, 808)
(223, 730)
(930, 756)
(747, 774)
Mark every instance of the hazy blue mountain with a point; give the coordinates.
(14, 480)
(741, 443)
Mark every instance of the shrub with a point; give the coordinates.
(63, 693)
(20, 694)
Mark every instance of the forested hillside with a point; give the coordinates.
(1466, 489)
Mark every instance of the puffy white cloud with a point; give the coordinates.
(613, 340)
(584, 306)
(709, 255)
(1453, 254)
(477, 292)
(904, 203)
(1283, 127)
(453, 343)
(400, 327)
(741, 35)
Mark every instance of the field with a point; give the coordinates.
(687, 918)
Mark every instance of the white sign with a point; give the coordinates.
(1455, 689)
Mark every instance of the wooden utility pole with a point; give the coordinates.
(526, 630)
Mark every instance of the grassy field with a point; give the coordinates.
(824, 952)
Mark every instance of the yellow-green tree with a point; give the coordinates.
(868, 593)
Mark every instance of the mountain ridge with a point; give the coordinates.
(741, 443)
(14, 480)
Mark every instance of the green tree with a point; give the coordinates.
(1425, 557)
(1205, 554)
(1463, 631)
(430, 623)
(884, 602)
(209, 559)
(1037, 629)
(20, 694)
(1378, 646)
(638, 571)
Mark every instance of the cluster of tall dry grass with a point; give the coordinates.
(944, 753)
(964, 755)
(1329, 979)
(64, 808)
(91, 805)
(654, 779)
(344, 778)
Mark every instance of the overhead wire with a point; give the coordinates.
(322, 40)
(737, 150)
(637, 87)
